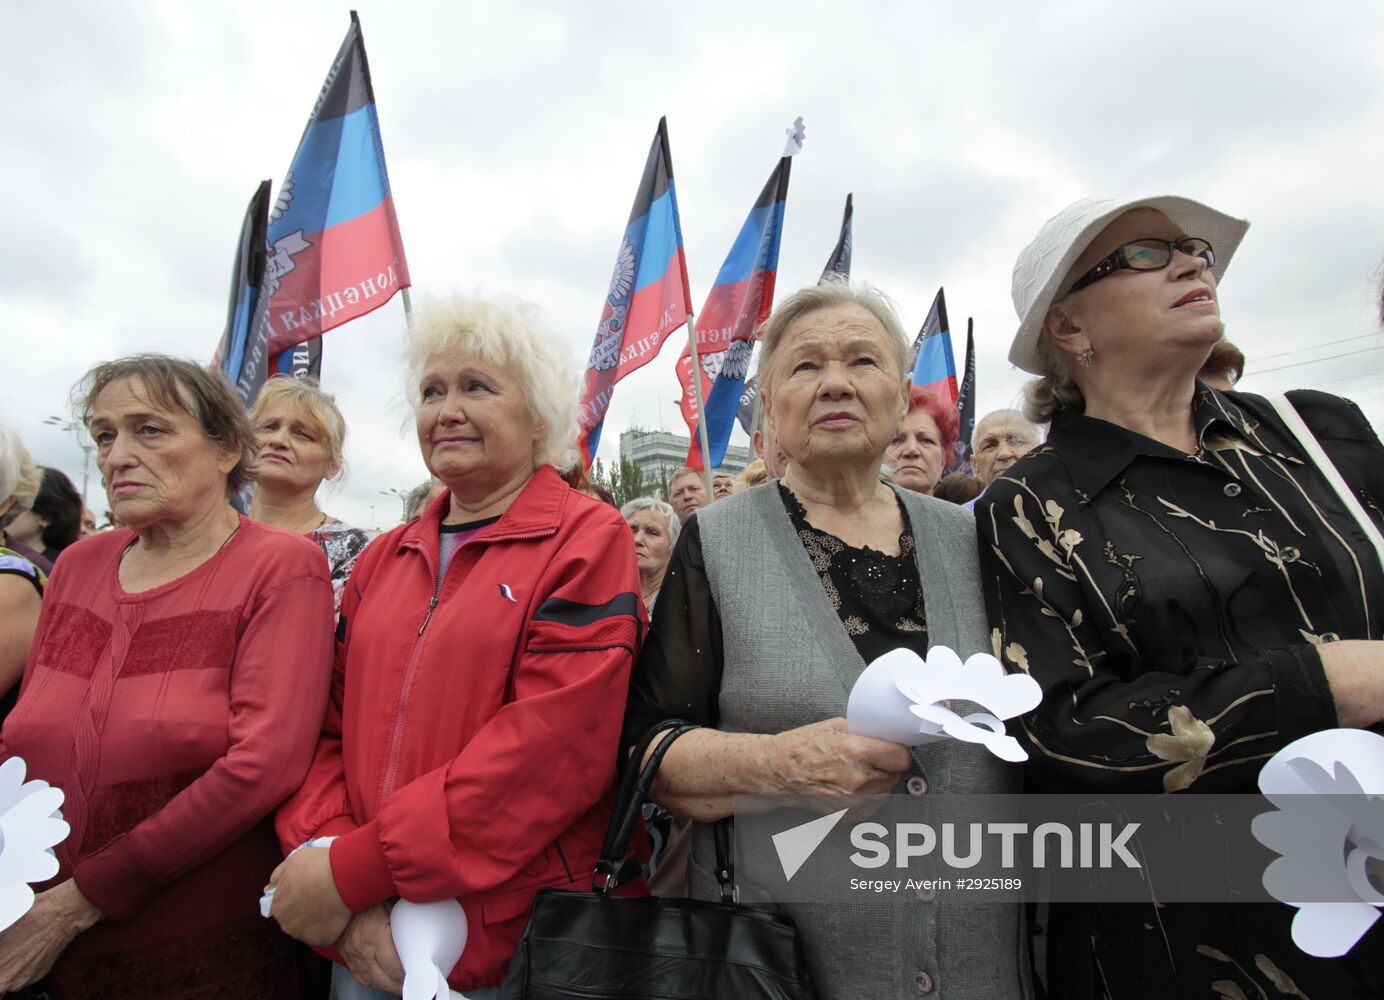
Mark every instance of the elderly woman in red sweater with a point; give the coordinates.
(482, 662)
(173, 692)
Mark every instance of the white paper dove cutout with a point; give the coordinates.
(267, 900)
(1325, 843)
(901, 697)
(31, 825)
(429, 938)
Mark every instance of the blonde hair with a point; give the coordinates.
(832, 292)
(510, 333)
(19, 476)
(319, 406)
(752, 475)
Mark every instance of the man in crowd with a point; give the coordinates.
(687, 493)
(1001, 438)
(722, 485)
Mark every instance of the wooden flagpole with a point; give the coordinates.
(701, 404)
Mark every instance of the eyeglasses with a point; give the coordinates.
(1151, 254)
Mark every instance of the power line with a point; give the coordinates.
(1329, 343)
(1350, 378)
(1312, 361)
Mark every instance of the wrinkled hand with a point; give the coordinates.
(1353, 674)
(306, 903)
(30, 946)
(367, 945)
(825, 759)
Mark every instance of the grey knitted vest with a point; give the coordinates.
(788, 663)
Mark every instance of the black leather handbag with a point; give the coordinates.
(598, 946)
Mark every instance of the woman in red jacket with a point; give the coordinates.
(482, 659)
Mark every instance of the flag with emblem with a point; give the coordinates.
(246, 305)
(728, 324)
(934, 366)
(648, 298)
(335, 252)
(840, 263)
(966, 404)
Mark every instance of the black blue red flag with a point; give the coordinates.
(966, 403)
(246, 304)
(729, 322)
(840, 262)
(334, 247)
(934, 366)
(648, 298)
(303, 361)
(745, 411)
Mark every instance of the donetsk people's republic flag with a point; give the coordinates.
(840, 262)
(246, 305)
(335, 252)
(966, 404)
(729, 322)
(934, 366)
(648, 297)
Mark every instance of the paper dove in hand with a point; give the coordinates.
(899, 696)
(31, 825)
(1329, 789)
(429, 938)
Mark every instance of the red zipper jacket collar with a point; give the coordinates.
(535, 512)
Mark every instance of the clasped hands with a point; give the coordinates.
(308, 907)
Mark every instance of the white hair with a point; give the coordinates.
(510, 333)
(19, 477)
(832, 292)
(658, 507)
(1004, 415)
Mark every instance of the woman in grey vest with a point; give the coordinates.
(774, 601)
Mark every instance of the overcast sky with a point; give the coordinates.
(135, 134)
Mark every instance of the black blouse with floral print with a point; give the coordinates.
(1171, 607)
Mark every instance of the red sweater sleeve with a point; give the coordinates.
(542, 762)
(320, 807)
(278, 688)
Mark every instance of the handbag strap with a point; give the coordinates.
(1288, 413)
(615, 867)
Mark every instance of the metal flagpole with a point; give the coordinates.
(701, 411)
(408, 307)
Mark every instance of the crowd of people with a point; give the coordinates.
(271, 703)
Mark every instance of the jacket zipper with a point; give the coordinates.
(396, 743)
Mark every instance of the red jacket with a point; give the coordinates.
(470, 744)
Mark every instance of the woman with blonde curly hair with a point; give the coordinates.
(483, 657)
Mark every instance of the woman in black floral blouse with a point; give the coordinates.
(1179, 577)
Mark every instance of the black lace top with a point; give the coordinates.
(878, 597)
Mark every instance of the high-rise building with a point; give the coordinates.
(658, 453)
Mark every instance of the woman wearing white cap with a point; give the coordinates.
(1176, 571)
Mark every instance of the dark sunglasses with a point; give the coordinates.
(1151, 254)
